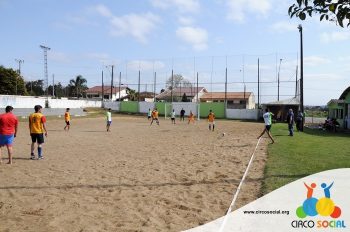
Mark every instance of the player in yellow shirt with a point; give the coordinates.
(37, 128)
(155, 116)
(67, 119)
(191, 117)
(211, 120)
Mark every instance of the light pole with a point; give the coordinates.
(45, 49)
(19, 61)
(301, 76)
(278, 88)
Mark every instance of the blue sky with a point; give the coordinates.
(188, 36)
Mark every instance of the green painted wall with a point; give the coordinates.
(163, 107)
(217, 107)
(347, 98)
(335, 106)
(129, 106)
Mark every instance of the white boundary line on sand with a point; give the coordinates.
(239, 188)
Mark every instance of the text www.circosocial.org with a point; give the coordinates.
(285, 212)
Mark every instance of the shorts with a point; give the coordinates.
(68, 123)
(268, 127)
(173, 119)
(6, 140)
(109, 123)
(39, 138)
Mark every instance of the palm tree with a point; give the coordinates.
(78, 85)
(133, 95)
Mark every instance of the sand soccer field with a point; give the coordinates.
(135, 178)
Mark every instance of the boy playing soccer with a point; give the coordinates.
(109, 119)
(155, 116)
(67, 119)
(268, 122)
(8, 131)
(191, 117)
(173, 117)
(211, 120)
(37, 127)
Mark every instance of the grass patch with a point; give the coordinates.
(312, 151)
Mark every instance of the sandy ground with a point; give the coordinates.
(135, 178)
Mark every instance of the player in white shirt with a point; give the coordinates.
(268, 123)
(109, 119)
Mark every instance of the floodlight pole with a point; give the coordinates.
(45, 49)
(19, 61)
(301, 75)
(278, 88)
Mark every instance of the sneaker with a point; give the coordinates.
(32, 157)
(40, 158)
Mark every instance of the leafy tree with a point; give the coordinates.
(178, 80)
(133, 95)
(327, 9)
(184, 98)
(78, 85)
(11, 82)
(35, 88)
(59, 90)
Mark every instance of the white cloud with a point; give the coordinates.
(284, 26)
(183, 6)
(59, 57)
(145, 65)
(335, 36)
(237, 9)
(186, 20)
(195, 36)
(103, 10)
(138, 26)
(315, 61)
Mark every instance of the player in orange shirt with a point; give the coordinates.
(67, 119)
(37, 128)
(8, 131)
(211, 120)
(190, 117)
(155, 116)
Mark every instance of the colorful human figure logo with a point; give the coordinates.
(323, 206)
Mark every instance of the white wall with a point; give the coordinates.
(187, 106)
(113, 105)
(144, 106)
(30, 102)
(20, 102)
(65, 103)
(251, 114)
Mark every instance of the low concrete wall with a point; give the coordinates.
(115, 106)
(144, 106)
(24, 112)
(187, 106)
(30, 102)
(242, 114)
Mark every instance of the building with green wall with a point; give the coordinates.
(340, 109)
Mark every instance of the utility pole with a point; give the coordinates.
(45, 49)
(258, 84)
(112, 83)
(301, 75)
(103, 91)
(138, 87)
(120, 79)
(19, 61)
(278, 88)
(172, 84)
(53, 85)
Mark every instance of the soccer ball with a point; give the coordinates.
(223, 134)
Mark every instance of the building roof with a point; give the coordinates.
(344, 94)
(290, 101)
(335, 101)
(229, 95)
(106, 89)
(179, 92)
